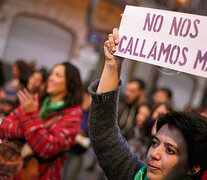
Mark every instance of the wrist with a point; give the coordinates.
(113, 65)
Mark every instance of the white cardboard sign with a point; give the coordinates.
(168, 39)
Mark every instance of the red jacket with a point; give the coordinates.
(45, 142)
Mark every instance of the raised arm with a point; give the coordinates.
(111, 148)
(112, 68)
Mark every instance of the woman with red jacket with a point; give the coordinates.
(51, 129)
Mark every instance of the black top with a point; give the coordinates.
(111, 148)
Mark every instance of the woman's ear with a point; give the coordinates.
(193, 170)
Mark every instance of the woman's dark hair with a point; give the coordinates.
(167, 106)
(44, 73)
(42, 92)
(193, 127)
(74, 85)
(23, 81)
(144, 130)
(24, 69)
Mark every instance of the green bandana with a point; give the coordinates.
(48, 108)
(142, 174)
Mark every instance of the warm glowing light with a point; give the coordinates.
(181, 1)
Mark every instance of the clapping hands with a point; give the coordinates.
(28, 101)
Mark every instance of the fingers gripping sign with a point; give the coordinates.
(110, 45)
(112, 69)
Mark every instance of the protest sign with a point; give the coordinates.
(167, 39)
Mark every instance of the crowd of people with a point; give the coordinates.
(46, 115)
(44, 125)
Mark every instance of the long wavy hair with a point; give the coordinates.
(24, 69)
(74, 85)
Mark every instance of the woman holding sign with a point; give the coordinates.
(178, 150)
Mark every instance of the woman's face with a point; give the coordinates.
(142, 115)
(167, 156)
(57, 82)
(15, 71)
(34, 82)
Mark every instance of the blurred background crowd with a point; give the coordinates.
(36, 35)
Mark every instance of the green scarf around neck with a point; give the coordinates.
(141, 174)
(48, 108)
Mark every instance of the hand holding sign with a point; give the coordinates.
(163, 38)
(110, 45)
(112, 69)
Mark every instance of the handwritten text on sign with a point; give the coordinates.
(168, 39)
